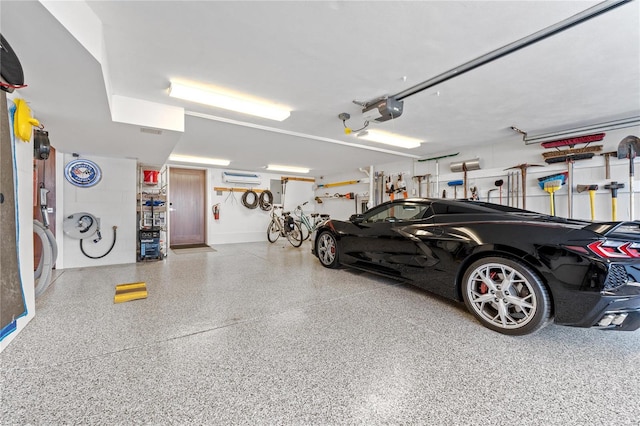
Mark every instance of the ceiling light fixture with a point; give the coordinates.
(389, 138)
(198, 160)
(288, 169)
(241, 104)
(298, 134)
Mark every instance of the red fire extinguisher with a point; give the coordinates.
(216, 211)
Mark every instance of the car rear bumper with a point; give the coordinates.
(615, 313)
(601, 295)
(623, 315)
(620, 303)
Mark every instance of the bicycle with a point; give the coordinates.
(284, 226)
(306, 220)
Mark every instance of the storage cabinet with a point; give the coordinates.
(152, 213)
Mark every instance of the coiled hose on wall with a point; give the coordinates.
(254, 199)
(264, 196)
(113, 243)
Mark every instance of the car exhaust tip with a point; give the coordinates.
(612, 319)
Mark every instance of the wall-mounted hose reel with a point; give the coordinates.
(81, 226)
(44, 272)
(41, 144)
(84, 226)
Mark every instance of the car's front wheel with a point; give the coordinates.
(327, 249)
(506, 296)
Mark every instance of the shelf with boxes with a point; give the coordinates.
(152, 213)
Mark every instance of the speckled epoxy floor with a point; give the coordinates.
(260, 333)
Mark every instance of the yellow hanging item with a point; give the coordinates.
(23, 121)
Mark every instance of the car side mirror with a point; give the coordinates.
(356, 218)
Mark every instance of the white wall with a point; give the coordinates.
(495, 159)
(340, 207)
(24, 179)
(113, 201)
(237, 223)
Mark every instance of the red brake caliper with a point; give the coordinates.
(485, 288)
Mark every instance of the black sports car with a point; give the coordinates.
(514, 269)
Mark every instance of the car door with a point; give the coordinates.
(445, 240)
(376, 239)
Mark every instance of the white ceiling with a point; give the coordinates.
(317, 57)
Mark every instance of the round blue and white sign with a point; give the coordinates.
(83, 173)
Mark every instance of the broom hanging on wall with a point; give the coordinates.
(551, 184)
(571, 155)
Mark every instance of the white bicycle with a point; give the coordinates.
(284, 225)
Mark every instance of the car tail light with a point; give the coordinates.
(615, 249)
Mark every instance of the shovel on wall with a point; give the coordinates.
(628, 148)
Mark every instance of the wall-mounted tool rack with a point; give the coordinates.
(301, 179)
(225, 189)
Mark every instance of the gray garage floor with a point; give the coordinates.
(260, 333)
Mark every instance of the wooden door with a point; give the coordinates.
(187, 211)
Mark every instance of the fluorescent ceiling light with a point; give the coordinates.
(298, 134)
(198, 160)
(237, 103)
(289, 169)
(389, 138)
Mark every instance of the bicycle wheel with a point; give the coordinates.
(273, 232)
(305, 230)
(295, 235)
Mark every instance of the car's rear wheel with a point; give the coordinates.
(327, 249)
(506, 296)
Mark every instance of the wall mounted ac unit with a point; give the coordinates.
(245, 178)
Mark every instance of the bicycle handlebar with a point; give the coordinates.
(300, 206)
